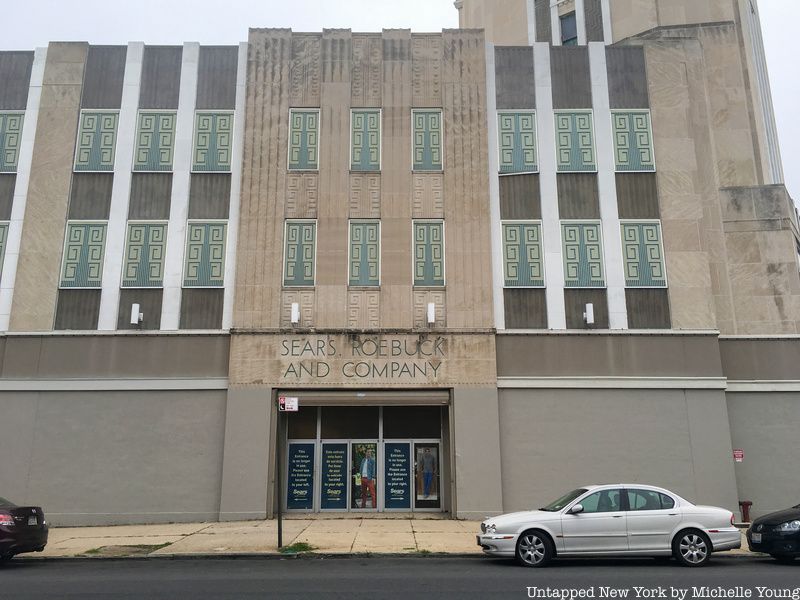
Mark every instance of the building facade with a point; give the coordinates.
(547, 249)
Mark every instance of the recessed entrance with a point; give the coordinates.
(366, 459)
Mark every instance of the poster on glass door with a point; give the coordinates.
(364, 475)
(334, 477)
(397, 476)
(300, 477)
(426, 456)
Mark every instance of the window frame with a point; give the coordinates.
(622, 223)
(19, 149)
(423, 286)
(225, 283)
(286, 223)
(572, 111)
(197, 112)
(358, 286)
(536, 146)
(83, 111)
(599, 222)
(440, 110)
(538, 222)
(291, 169)
(627, 111)
(171, 169)
(64, 250)
(379, 110)
(166, 239)
(561, 19)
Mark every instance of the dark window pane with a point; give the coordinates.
(412, 422)
(349, 422)
(303, 424)
(569, 30)
(644, 500)
(604, 501)
(667, 502)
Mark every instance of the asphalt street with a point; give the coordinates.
(375, 578)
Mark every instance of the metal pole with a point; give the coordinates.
(279, 475)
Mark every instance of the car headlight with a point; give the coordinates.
(789, 526)
(491, 529)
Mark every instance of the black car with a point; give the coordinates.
(22, 529)
(777, 534)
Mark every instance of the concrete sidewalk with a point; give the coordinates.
(418, 535)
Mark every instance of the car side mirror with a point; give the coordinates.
(576, 509)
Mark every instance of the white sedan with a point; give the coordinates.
(618, 520)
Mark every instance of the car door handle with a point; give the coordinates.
(673, 514)
(617, 516)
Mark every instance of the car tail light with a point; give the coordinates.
(6, 519)
(733, 522)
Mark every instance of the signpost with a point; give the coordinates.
(284, 405)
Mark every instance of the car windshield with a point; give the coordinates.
(564, 500)
(4, 502)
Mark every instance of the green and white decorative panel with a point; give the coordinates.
(304, 140)
(364, 253)
(155, 141)
(517, 137)
(301, 238)
(366, 141)
(575, 142)
(643, 255)
(523, 264)
(633, 141)
(10, 139)
(84, 249)
(144, 255)
(205, 255)
(97, 141)
(427, 140)
(213, 142)
(583, 255)
(3, 242)
(429, 253)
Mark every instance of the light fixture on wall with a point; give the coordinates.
(295, 316)
(588, 316)
(431, 313)
(136, 316)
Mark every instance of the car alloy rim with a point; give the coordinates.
(693, 548)
(531, 548)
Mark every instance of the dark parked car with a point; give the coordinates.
(777, 534)
(22, 529)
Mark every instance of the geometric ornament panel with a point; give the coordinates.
(522, 255)
(517, 133)
(633, 141)
(155, 141)
(364, 253)
(205, 255)
(429, 253)
(144, 255)
(97, 140)
(427, 140)
(366, 141)
(643, 255)
(10, 139)
(304, 140)
(298, 268)
(575, 142)
(84, 248)
(583, 255)
(213, 140)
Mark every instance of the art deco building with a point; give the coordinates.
(547, 249)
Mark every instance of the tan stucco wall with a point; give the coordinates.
(632, 17)
(38, 271)
(505, 21)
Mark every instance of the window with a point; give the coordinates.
(3, 242)
(648, 500)
(303, 140)
(145, 249)
(213, 140)
(569, 29)
(10, 139)
(428, 253)
(97, 141)
(575, 142)
(364, 253)
(300, 252)
(155, 141)
(583, 255)
(205, 254)
(643, 254)
(603, 501)
(633, 141)
(84, 248)
(517, 142)
(522, 254)
(427, 140)
(365, 141)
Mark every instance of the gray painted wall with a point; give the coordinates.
(99, 458)
(555, 440)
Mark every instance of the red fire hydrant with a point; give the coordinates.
(745, 506)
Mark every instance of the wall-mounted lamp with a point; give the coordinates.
(588, 316)
(295, 317)
(431, 313)
(136, 316)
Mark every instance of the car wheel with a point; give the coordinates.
(534, 549)
(783, 558)
(5, 557)
(691, 548)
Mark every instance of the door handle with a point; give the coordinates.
(673, 514)
(617, 516)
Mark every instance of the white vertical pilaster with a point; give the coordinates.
(531, 6)
(548, 185)
(181, 179)
(555, 23)
(608, 31)
(8, 275)
(120, 192)
(494, 192)
(580, 21)
(236, 186)
(607, 186)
